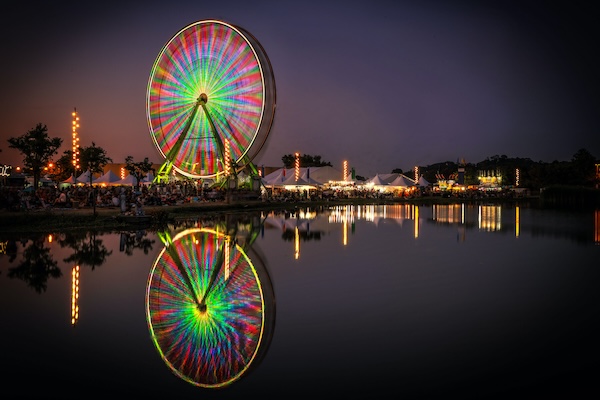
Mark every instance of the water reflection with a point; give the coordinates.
(209, 305)
(193, 306)
(36, 266)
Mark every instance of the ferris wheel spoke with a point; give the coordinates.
(172, 153)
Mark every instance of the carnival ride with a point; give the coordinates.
(210, 101)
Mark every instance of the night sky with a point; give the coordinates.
(381, 84)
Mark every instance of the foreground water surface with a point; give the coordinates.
(425, 301)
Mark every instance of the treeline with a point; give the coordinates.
(579, 171)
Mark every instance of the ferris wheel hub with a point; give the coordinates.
(203, 98)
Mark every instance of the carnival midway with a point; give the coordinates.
(208, 126)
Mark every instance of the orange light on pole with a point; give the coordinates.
(74, 295)
(297, 167)
(75, 139)
(416, 173)
(517, 177)
(227, 158)
(345, 171)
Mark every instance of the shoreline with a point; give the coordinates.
(53, 220)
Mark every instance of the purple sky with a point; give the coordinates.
(382, 84)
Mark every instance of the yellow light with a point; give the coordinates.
(416, 216)
(296, 244)
(517, 221)
(74, 294)
(227, 158)
(227, 244)
(297, 167)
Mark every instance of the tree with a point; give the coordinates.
(93, 159)
(584, 168)
(64, 166)
(37, 149)
(138, 169)
(306, 160)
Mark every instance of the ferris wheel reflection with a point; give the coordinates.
(210, 307)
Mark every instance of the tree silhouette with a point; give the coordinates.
(306, 160)
(92, 252)
(138, 169)
(37, 149)
(36, 267)
(93, 159)
(130, 241)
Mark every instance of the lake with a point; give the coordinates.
(436, 301)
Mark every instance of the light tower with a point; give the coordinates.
(75, 138)
(297, 167)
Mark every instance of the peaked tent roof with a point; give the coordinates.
(376, 180)
(322, 175)
(108, 177)
(84, 177)
(128, 180)
(309, 179)
(402, 181)
(70, 180)
(423, 182)
(291, 181)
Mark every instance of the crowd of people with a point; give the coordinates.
(125, 197)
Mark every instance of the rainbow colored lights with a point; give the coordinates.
(210, 83)
(205, 308)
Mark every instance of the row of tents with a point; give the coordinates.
(307, 177)
(109, 178)
(321, 176)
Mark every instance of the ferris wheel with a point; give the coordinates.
(210, 100)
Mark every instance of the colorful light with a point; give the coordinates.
(211, 82)
(345, 169)
(205, 308)
(297, 167)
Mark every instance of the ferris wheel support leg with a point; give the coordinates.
(163, 172)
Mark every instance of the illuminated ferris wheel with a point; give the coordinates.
(210, 100)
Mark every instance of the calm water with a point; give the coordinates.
(425, 301)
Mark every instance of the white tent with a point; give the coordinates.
(325, 174)
(317, 175)
(377, 181)
(276, 177)
(84, 177)
(108, 178)
(309, 179)
(70, 180)
(128, 180)
(402, 181)
(423, 182)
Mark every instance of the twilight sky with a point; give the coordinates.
(382, 84)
